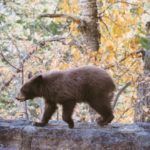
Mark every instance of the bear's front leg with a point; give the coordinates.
(48, 112)
(68, 108)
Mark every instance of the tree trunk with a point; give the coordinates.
(89, 26)
(142, 108)
(90, 31)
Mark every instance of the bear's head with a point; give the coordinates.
(30, 89)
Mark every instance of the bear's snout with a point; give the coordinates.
(20, 97)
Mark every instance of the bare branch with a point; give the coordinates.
(119, 93)
(52, 39)
(73, 18)
(62, 39)
(4, 58)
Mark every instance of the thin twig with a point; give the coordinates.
(105, 26)
(34, 49)
(113, 21)
(126, 110)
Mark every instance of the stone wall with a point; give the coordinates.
(21, 135)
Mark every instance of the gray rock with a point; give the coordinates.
(21, 135)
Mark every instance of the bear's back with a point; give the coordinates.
(88, 81)
(90, 75)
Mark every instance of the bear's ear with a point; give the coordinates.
(39, 78)
(30, 75)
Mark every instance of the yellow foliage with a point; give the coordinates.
(110, 46)
(65, 6)
(120, 29)
(64, 66)
(69, 6)
(124, 6)
(140, 10)
(76, 54)
(73, 28)
(134, 43)
(111, 1)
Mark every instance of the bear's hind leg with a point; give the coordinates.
(49, 110)
(104, 110)
(68, 108)
(107, 115)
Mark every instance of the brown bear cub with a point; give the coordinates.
(85, 84)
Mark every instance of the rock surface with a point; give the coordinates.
(21, 135)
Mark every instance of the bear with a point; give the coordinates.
(88, 84)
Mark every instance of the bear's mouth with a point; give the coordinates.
(21, 99)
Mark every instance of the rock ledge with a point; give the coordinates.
(21, 135)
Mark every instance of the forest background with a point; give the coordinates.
(31, 43)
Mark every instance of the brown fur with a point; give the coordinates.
(85, 84)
